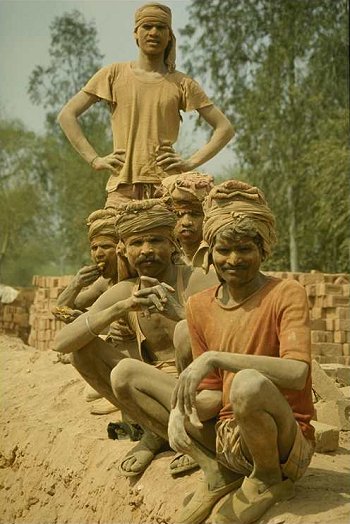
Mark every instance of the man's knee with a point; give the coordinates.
(248, 390)
(124, 376)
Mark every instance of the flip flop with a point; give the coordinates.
(182, 463)
(141, 455)
(202, 502)
(249, 503)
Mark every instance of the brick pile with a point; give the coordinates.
(43, 324)
(329, 300)
(14, 317)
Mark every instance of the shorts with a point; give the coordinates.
(229, 451)
(168, 366)
(126, 192)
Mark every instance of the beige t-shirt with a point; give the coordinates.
(145, 114)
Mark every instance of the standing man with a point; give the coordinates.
(250, 339)
(145, 98)
(188, 191)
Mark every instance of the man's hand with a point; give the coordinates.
(178, 438)
(160, 299)
(86, 276)
(184, 394)
(170, 160)
(120, 330)
(111, 162)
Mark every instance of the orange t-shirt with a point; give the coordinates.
(273, 321)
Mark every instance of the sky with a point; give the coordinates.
(25, 41)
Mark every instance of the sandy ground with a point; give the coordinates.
(58, 466)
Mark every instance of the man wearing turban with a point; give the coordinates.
(188, 191)
(145, 98)
(150, 295)
(93, 280)
(89, 283)
(250, 339)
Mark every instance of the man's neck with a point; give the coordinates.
(190, 250)
(237, 294)
(151, 63)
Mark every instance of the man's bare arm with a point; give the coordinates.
(68, 120)
(73, 296)
(285, 373)
(222, 134)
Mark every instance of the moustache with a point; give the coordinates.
(142, 259)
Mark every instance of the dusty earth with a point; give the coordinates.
(57, 464)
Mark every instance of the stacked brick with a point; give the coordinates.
(14, 317)
(43, 324)
(329, 300)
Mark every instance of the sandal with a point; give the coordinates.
(249, 503)
(203, 500)
(138, 458)
(182, 463)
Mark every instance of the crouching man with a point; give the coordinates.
(250, 340)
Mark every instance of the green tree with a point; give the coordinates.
(279, 70)
(25, 233)
(74, 189)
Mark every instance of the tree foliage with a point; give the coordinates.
(25, 234)
(279, 71)
(74, 189)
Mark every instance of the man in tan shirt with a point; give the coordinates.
(145, 99)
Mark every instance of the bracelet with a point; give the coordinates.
(89, 328)
(92, 161)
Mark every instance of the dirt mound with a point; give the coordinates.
(58, 465)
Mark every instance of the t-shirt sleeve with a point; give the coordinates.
(101, 84)
(193, 96)
(294, 323)
(199, 346)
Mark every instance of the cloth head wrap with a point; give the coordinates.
(188, 190)
(101, 222)
(155, 12)
(238, 205)
(141, 216)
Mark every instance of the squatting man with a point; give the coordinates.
(250, 340)
(150, 295)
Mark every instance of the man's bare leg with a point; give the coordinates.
(96, 360)
(259, 404)
(145, 393)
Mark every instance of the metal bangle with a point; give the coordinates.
(89, 328)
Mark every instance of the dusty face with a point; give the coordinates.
(103, 253)
(149, 254)
(188, 229)
(152, 37)
(237, 261)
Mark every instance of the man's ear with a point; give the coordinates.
(135, 37)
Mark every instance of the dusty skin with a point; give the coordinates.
(57, 464)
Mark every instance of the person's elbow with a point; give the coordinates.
(228, 130)
(63, 116)
(301, 373)
(60, 343)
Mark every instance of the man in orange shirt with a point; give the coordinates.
(250, 339)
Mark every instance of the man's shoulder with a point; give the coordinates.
(203, 297)
(179, 77)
